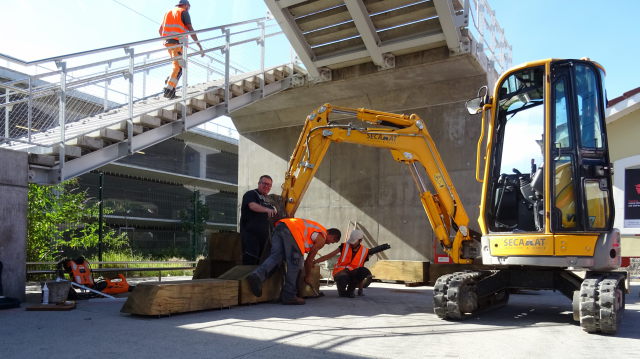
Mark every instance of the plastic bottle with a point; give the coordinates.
(45, 294)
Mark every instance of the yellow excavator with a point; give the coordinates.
(546, 211)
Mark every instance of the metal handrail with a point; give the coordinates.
(51, 90)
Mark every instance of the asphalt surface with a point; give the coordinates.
(390, 321)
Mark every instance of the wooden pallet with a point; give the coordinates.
(68, 305)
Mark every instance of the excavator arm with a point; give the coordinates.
(409, 142)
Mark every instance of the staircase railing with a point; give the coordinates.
(36, 96)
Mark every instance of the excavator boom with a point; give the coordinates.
(410, 143)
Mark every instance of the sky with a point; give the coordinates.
(605, 31)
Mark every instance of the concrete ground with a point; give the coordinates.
(390, 321)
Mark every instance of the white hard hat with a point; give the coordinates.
(355, 236)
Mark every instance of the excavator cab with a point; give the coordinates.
(547, 185)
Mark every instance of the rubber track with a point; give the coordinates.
(597, 305)
(446, 293)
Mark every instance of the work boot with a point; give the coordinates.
(366, 281)
(293, 301)
(255, 284)
(169, 93)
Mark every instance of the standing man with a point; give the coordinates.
(349, 272)
(291, 239)
(176, 21)
(255, 212)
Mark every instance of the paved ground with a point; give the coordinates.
(391, 321)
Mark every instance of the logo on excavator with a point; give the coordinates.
(523, 242)
(382, 137)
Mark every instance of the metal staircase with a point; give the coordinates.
(93, 108)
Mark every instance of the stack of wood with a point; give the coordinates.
(164, 298)
(225, 252)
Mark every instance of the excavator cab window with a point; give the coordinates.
(517, 181)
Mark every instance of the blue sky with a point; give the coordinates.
(605, 31)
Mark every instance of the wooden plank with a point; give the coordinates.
(68, 305)
(407, 271)
(148, 121)
(42, 160)
(271, 287)
(108, 134)
(164, 298)
(87, 142)
(122, 126)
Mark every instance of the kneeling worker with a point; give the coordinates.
(291, 239)
(349, 272)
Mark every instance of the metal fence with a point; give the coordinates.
(490, 36)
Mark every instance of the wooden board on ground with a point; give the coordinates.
(164, 298)
(406, 271)
(270, 288)
(68, 305)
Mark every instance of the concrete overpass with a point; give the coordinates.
(402, 56)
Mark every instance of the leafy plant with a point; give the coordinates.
(194, 219)
(62, 216)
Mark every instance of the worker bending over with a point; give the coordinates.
(291, 239)
(176, 21)
(349, 272)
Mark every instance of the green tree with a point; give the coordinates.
(194, 220)
(63, 216)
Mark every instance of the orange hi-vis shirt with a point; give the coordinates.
(172, 24)
(302, 229)
(349, 261)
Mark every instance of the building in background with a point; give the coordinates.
(623, 128)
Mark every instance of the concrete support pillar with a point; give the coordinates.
(13, 221)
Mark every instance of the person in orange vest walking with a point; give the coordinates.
(176, 21)
(291, 239)
(349, 272)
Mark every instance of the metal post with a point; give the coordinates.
(100, 213)
(144, 77)
(6, 114)
(29, 112)
(105, 105)
(262, 49)
(61, 115)
(196, 199)
(185, 82)
(227, 59)
(130, 52)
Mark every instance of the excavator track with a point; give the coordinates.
(455, 294)
(601, 303)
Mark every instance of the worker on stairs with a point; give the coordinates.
(176, 21)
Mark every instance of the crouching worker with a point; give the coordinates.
(291, 239)
(349, 272)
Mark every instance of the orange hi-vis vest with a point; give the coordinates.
(302, 229)
(172, 24)
(81, 273)
(349, 261)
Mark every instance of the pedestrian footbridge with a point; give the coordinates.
(78, 112)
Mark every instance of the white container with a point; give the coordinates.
(45, 294)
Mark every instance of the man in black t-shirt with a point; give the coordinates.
(255, 212)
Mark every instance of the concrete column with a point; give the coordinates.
(13, 221)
